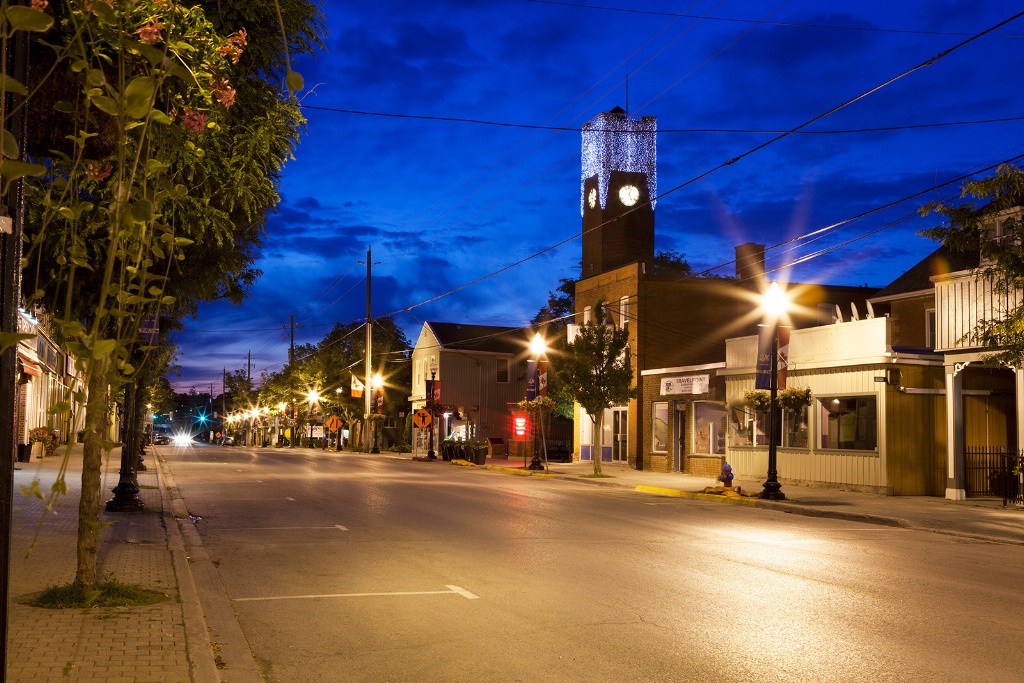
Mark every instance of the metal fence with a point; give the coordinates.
(995, 473)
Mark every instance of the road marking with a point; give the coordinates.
(452, 590)
(280, 528)
(289, 498)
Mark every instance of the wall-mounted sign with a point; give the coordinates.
(690, 384)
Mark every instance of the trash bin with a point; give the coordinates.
(24, 452)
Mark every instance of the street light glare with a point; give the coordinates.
(313, 395)
(775, 301)
(537, 345)
(378, 381)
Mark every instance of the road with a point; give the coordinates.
(352, 567)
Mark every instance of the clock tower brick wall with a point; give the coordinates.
(617, 234)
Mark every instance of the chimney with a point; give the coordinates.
(750, 263)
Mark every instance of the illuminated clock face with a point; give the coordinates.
(592, 197)
(629, 195)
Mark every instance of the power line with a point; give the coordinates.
(788, 24)
(732, 161)
(730, 131)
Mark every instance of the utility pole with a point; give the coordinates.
(291, 368)
(369, 342)
(14, 61)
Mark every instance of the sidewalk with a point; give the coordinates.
(978, 518)
(193, 637)
(152, 644)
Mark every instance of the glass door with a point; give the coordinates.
(620, 434)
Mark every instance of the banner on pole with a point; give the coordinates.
(763, 371)
(783, 356)
(357, 387)
(531, 380)
(429, 393)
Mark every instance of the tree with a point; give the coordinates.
(597, 374)
(670, 264)
(969, 227)
(130, 220)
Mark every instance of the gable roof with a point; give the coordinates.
(918, 277)
(486, 338)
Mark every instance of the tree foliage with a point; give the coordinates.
(970, 227)
(596, 372)
(164, 152)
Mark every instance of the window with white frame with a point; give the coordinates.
(794, 427)
(501, 374)
(849, 423)
(659, 427)
(587, 314)
(709, 428)
(624, 312)
(929, 328)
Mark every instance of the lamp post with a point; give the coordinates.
(430, 402)
(378, 382)
(538, 348)
(774, 304)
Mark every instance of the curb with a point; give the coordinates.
(211, 607)
(203, 667)
(519, 472)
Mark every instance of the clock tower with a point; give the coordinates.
(618, 190)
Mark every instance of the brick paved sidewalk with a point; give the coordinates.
(115, 645)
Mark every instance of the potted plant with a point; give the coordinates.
(759, 400)
(795, 398)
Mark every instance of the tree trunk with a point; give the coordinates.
(598, 432)
(92, 462)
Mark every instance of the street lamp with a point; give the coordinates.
(774, 304)
(538, 347)
(378, 382)
(430, 402)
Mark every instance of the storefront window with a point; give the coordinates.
(794, 428)
(709, 428)
(741, 427)
(660, 428)
(849, 423)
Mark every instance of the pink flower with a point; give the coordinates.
(194, 121)
(89, 5)
(150, 33)
(40, 5)
(224, 93)
(236, 42)
(96, 173)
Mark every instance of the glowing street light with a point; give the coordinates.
(774, 304)
(376, 383)
(538, 347)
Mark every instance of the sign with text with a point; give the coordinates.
(689, 384)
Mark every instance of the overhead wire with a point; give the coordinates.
(731, 161)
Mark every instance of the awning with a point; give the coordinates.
(30, 368)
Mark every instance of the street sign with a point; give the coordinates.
(421, 418)
(334, 423)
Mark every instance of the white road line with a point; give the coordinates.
(277, 528)
(453, 590)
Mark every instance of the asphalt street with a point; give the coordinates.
(352, 567)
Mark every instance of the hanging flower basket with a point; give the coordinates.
(759, 400)
(795, 398)
(44, 436)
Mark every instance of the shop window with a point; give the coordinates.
(660, 428)
(849, 423)
(709, 428)
(794, 427)
(741, 427)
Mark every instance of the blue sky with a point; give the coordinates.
(397, 157)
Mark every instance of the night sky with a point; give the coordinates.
(446, 137)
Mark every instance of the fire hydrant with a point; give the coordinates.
(726, 476)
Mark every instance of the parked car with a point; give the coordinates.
(227, 441)
(161, 438)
